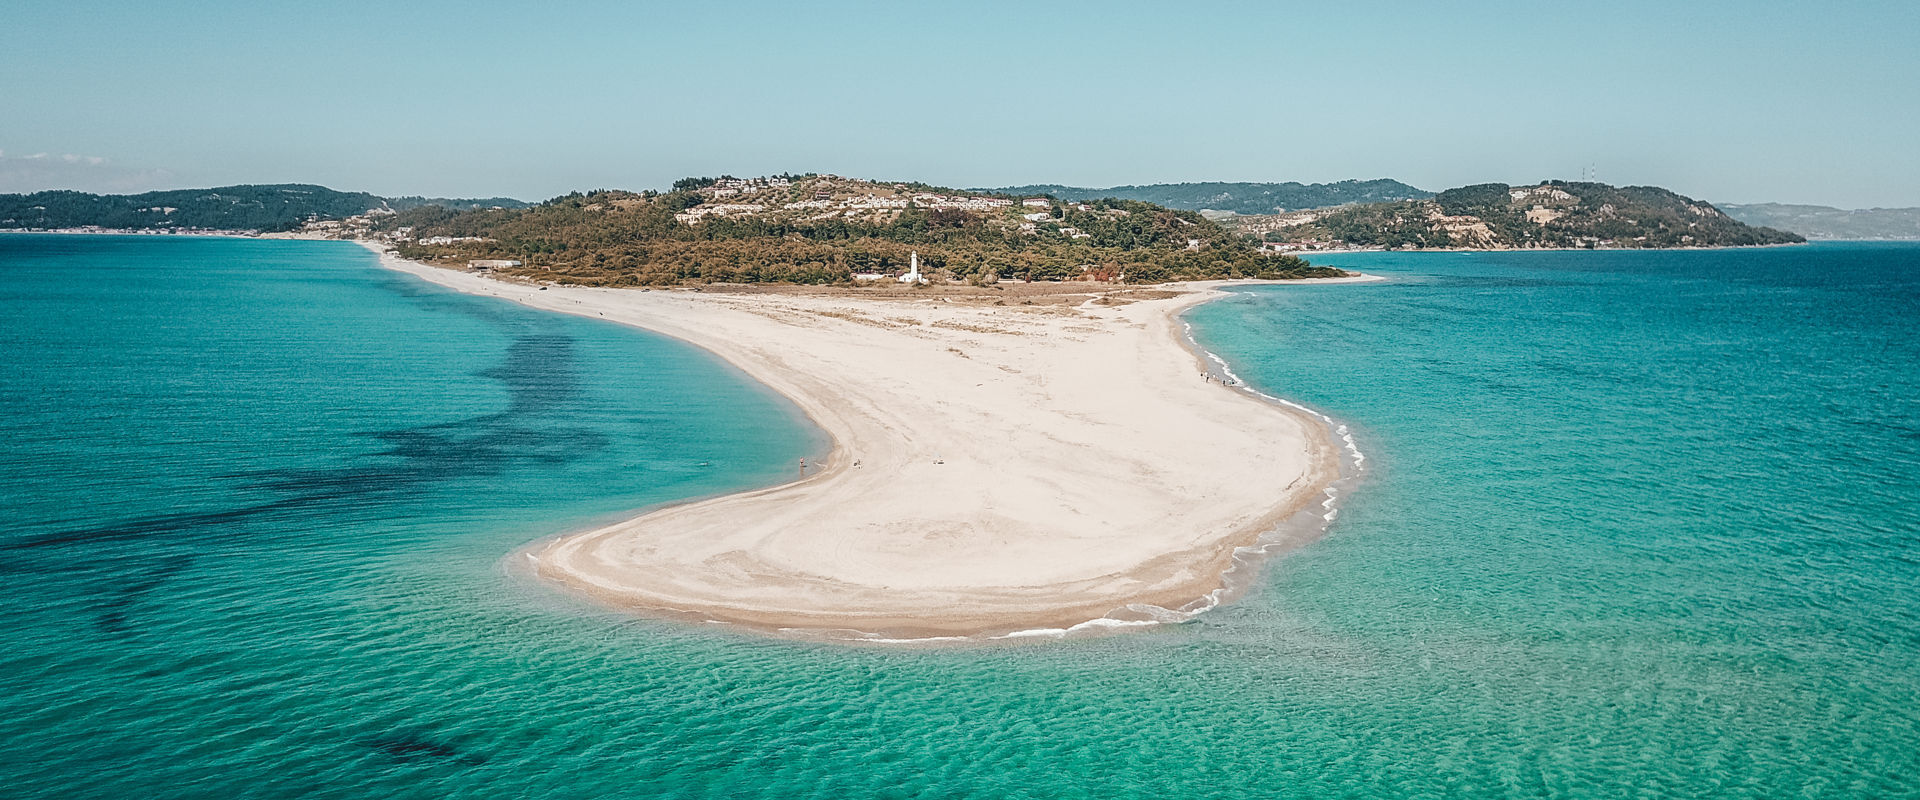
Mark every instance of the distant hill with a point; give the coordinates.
(1825, 222)
(1495, 216)
(1240, 198)
(273, 207)
(831, 229)
(459, 203)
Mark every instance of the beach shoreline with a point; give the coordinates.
(996, 472)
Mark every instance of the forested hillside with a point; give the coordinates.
(824, 229)
(1497, 216)
(264, 208)
(416, 201)
(1240, 198)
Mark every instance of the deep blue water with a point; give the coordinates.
(1634, 524)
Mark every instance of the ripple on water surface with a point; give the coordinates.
(1632, 522)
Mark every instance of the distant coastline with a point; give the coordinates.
(1356, 250)
(89, 231)
(823, 229)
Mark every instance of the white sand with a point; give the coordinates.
(995, 468)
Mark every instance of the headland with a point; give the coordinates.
(1000, 466)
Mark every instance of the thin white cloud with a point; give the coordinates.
(42, 171)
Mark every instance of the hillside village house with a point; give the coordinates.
(693, 215)
(874, 201)
(823, 199)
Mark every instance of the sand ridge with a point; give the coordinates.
(995, 468)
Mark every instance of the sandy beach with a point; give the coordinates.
(996, 469)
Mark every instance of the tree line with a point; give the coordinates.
(624, 238)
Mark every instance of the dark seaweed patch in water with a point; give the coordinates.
(540, 379)
(541, 376)
(414, 747)
(115, 607)
(539, 372)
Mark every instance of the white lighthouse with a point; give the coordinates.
(913, 272)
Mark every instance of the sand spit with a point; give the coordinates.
(995, 469)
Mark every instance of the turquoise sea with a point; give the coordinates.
(1633, 524)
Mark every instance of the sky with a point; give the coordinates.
(1758, 101)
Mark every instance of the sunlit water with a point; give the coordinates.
(1632, 524)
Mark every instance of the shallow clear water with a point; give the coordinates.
(1633, 524)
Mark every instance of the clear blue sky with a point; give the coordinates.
(1730, 101)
